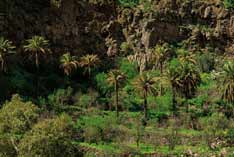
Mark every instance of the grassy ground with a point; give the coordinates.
(132, 138)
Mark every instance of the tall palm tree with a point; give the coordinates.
(161, 55)
(116, 78)
(145, 84)
(228, 82)
(36, 46)
(88, 62)
(68, 63)
(5, 48)
(184, 80)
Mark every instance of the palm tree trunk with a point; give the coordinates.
(145, 105)
(114, 5)
(116, 99)
(187, 105)
(37, 74)
(173, 101)
(161, 72)
(89, 76)
(2, 65)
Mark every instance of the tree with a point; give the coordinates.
(37, 46)
(5, 48)
(184, 79)
(228, 82)
(116, 78)
(17, 117)
(145, 84)
(68, 63)
(161, 55)
(88, 62)
(186, 57)
(49, 137)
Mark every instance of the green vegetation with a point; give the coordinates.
(117, 78)
(229, 4)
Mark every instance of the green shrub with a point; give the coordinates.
(131, 101)
(102, 84)
(60, 99)
(228, 4)
(125, 48)
(128, 3)
(217, 121)
(205, 62)
(213, 127)
(230, 136)
(93, 126)
(128, 68)
(164, 103)
(85, 100)
(17, 117)
(50, 137)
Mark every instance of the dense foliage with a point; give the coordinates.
(133, 92)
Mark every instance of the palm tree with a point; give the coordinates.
(5, 48)
(68, 63)
(145, 84)
(186, 57)
(161, 55)
(88, 62)
(37, 46)
(184, 80)
(228, 82)
(116, 78)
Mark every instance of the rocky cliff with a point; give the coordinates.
(100, 27)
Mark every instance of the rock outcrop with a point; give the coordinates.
(85, 27)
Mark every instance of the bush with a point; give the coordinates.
(50, 137)
(229, 4)
(206, 62)
(131, 101)
(230, 136)
(128, 3)
(93, 126)
(97, 128)
(214, 126)
(17, 117)
(60, 99)
(128, 68)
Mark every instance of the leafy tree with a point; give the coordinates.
(17, 117)
(145, 84)
(115, 78)
(88, 62)
(228, 82)
(5, 48)
(50, 137)
(68, 63)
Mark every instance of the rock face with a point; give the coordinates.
(85, 27)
